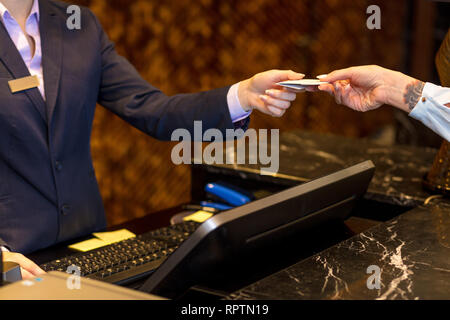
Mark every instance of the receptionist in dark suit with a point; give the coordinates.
(51, 78)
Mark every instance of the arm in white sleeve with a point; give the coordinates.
(432, 111)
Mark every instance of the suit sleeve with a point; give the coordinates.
(125, 93)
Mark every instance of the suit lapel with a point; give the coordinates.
(15, 64)
(51, 43)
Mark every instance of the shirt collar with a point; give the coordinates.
(34, 10)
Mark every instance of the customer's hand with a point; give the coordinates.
(366, 88)
(261, 92)
(27, 267)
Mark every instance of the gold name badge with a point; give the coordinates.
(22, 84)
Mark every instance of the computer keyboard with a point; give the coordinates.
(128, 260)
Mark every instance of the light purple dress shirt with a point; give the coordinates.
(33, 62)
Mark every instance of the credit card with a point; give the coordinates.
(300, 84)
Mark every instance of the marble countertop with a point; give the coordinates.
(411, 253)
(307, 155)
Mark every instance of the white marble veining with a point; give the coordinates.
(332, 270)
(401, 285)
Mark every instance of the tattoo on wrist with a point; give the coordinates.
(413, 92)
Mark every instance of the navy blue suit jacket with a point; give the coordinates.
(48, 189)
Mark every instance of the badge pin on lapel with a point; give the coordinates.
(23, 84)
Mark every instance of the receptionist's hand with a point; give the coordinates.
(261, 92)
(28, 268)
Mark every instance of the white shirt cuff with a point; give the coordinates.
(237, 113)
(4, 249)
(431, 109)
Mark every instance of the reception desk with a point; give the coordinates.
(397, 228)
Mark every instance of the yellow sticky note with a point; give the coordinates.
(88, 245)
(198, 216)
(114, 236)
(102, 239)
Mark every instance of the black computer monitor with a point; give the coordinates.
(234, 232)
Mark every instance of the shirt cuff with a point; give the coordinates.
(431, 109)
(237, 113)
(4, 249)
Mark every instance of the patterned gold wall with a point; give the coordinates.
(187, 46)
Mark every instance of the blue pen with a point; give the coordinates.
(227, 194)
(215, 205)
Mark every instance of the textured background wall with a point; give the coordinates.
(188, 46)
